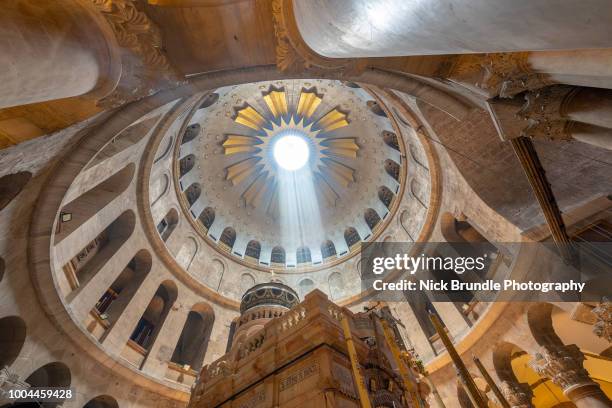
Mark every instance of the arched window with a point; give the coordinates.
(371, 218)
(253, 249)
(191, 133)
(209, 100)
(186, 164)
(167, 224)
(193, 342)
(351, 236)
(303, 255)
(392, 169)
(12, 338)
(102, 401)
(207, 217)
(113, 302)
(328, 249)
(390, 139)
(376, 108)
(11, 185)
(93, 257)
(154, 316)
(278, 255)
(193, 193)
(351, 84)
(228, 237)
(386, 196)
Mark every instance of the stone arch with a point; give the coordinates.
(253, 250)
(247, 281)
(154, 316)
(193, 342)
(385, 195)
(191, 132)
(55, 374)
(539, 318)
(187, 253)
(186, 164)
(404, 222)
(163, 153)
(207, 217)
(94, 255)
(328, 249)
(336, 285)
(303, 255)
(167, 224)
(192, 193)
(278, 255)
(160, 188)
(209, 100)
(503, 354)
(124, 140)
(371, 218)
(393, 169)
(115, 300)
(214, 273)
(102, 401)
(305, 286)
(417, 191)
(375, 108)
(12, 337)
(11, 185)
(88, 204)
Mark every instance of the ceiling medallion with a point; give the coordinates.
(329, 156)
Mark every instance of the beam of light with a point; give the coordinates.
(291, 151)
(300, 216)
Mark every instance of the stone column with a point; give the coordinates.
(564, 366)
(517, 395)
(160, 352)
(49, 50)
(558, 112)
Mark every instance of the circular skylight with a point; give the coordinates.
(291, 152)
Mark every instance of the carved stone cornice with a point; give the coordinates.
(501, 74)
(517, 395)
(603, 327)
(294, 55)
(563, 365)
(145, 69)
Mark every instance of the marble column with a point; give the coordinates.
(49, 50)
(564, 366)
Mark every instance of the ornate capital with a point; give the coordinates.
(294, 55)
(563, 365)
(517, 395)
(501, 74)
(145, 68)
(603, 326)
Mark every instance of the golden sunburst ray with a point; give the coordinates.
(308, 103)
(342, 146)
(276, 101)
(248, 116)
(336, 171)
(238, 172)
(235, 144)
(332, 120)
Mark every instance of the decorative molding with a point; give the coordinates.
(501, 74)
(603, 327)
(145, 68)
(294, 55)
